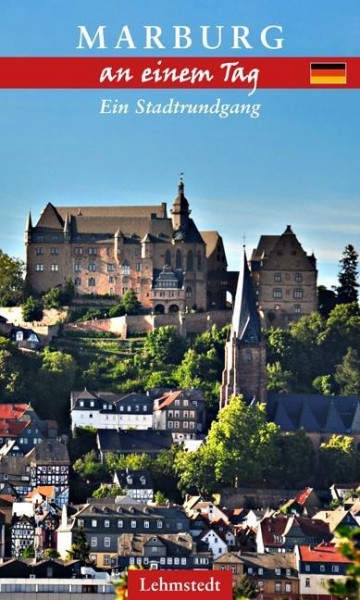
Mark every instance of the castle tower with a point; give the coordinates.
(245, 352)
(180, 211)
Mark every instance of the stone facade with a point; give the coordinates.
(284, 279)
(112, 249)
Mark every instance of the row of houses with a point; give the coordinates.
(179, 412)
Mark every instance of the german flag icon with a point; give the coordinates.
(328, 73)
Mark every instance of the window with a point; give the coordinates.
(186, 425)
(120, 524)
(298, 293)
(93, 523)
(92, 251)
(297, 309)
(177, 402)
(298, 277)
(77, 267)
(111, 279)
(138, 267)
(189, 291)
(307, 568)
(106, 523)
(199, 266)
(183, 561)
(78, 251)
(133, 524)
(322, 568)
(93, 542)
(92, 282)
(170, 424)
(107, 560)
(288, 572)
(39, 250)
(55, 267)
(277, 587)
(277, 293)
(77, 281)
(146, 524)
(277, 277)
(107, 542)
(260, 571)
(288, 587)
(39, 267)
(250, 570)
(125, 269)
(111, 267)
(176, 561)
(159, 524)
(277, 571)
(92, 267)
(307, 582)
(335, 568)
(176, 424)
(190, 261)
(54, 251)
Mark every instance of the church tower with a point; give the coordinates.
(180, 211)
(245, 352)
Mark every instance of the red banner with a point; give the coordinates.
(175, 73)
(177, 585)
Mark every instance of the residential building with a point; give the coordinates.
(215, 542)
(104, 521)
(161, 551)
(339, 517)
(306, 503)
(112, 249)
(317, 568)
(133, 441)
(284, 279)
(25, 338)
(138, 484)
(182, 412)
(46, 464)
(281, 533)
(105, 410)
(20, 425)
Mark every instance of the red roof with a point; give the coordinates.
(48, 491)
(322, 553)
(273, 528)
(13, 411)
(167, 399)
(301, 497)
(12, 427)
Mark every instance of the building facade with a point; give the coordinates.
(182, 412)
(113, 249)
(284, 279)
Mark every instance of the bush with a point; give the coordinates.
(32, 310)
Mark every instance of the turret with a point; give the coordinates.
(28, 229)
(180, 211)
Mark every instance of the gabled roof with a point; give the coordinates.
(324, 553)
(49, 451)
(12, 428)
(138, 441)
(211, 239)
(47, 491)
(50, 218)
(13, 411)
(266, 244)
(334, 423)
(167, 399)
(245, 324)
(303, 496)
(334, 517)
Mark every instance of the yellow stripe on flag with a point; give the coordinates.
(327, 79)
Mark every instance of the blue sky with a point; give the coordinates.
(297, 164)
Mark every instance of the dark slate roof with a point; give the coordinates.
(49, 451)
(265, 246)
(178, 544)
(134, 480)
(134, 441)
(315, 413)
(245, 322)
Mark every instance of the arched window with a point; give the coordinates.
(168, 258)
(178, 259)
(190, 261)
(199, 260)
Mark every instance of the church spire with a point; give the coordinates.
(28, 229)
(245, 324)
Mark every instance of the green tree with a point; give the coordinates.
(298, 457)
(32, 310)
(80, 548)
(108, 491)
(347, 290)
(12, 372)
(323, 384)
(326, 301)
(52, 298)
(245, 589)
(55, 380)
(337, 460)
(349, 546)
(160, 498)
(347, 374)
(165, 345)
(28, 552)
(131, 303)
(68, 291)
(11, 280)
(51, 553)
(196, 472)
(277, 379)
